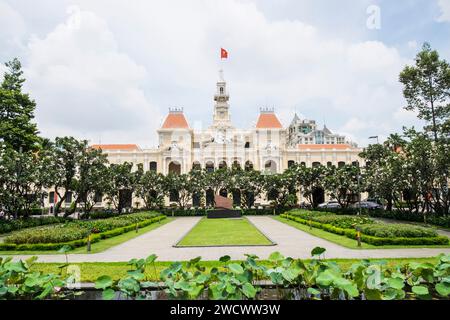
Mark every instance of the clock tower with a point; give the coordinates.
(221, 107)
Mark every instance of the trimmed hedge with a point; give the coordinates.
(376, 241)
(340, 221)
(7, 226)
(75, 229)
(432, 218)
(397, 230)
(80, 242)
(200, 212)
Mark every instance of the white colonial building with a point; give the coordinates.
(267, 146)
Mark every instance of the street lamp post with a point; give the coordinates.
(375, 137)
(359, 195)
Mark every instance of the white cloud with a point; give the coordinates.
(12, 30)
(112, 69)
(84, 84)
(444, 5)
(412, 44)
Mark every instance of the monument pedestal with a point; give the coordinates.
(224, 213)
(223, 209)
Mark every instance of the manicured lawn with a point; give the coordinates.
(342, 240)
(100, 246)
(91, 271)
(224, 232)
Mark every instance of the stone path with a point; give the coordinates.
(290, 241)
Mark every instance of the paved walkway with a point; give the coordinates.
(290, 241)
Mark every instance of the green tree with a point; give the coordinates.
(309, 180)
(385, 171)
(120, 178)
(151, 188)
(91, 180)
(281, 189)
(17, 111)
(181, 184)
(342, 184)
(66, 157)
(20, 181)
(251, 185)
(427, 89)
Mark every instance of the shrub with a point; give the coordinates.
(75, 230)
(431, 218)
(7, 226)
(79, 242)
(340, 221)
(429, 237)
(49, 234)
(397, 230)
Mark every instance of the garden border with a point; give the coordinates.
(376, 241)
(80, 242)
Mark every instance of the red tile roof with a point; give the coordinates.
(268, 121)
(175, 120)
(325, 146)
(121, 147)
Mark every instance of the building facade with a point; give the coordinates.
(268, 146)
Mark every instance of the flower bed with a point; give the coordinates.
(341, 221)
(399, 236)
(71, 233)
(80, 242)
(397, 230)
(7, 226)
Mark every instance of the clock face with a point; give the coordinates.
(221, 136)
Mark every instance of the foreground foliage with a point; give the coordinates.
(292, 279)
(289, 278)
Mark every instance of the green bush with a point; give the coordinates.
(431, 218)
(79, 242)
(397, 230)
(7, 226)
(75, 230)
(428, 238)
(340, 221)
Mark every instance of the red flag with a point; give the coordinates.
(223, 53)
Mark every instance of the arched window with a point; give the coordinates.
(196, 200)
(153, 166)
(236, 165)
(222, 165)
(316, 164)
(209, 198)
(173, 195)
(236, 197)
(174, 167)
(221, 90)
(223, 193)
(291, 163)
(271, 166)
(341, 164)
(196, 166)
(248, 166)
(209, 166)
(272, 195)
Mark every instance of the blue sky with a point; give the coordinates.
(109, 70)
